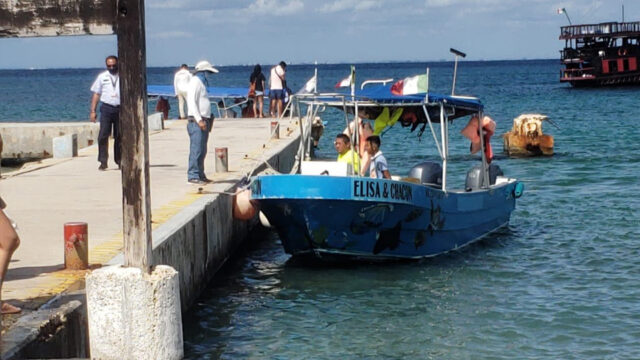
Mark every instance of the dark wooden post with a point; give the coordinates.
(136, 199)
(28, 18)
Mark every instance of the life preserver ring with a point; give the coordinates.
(408, 119)
(622, 52)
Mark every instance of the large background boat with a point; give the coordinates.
(601, 54)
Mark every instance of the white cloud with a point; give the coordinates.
(171, 35)
(197, 5)
(274, 7)
(167, 4)
(477, 4)
(439, 3)
(358, 5)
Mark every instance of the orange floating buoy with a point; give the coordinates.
(243, 207)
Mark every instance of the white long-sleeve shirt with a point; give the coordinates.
(181, 81)
(198, 104)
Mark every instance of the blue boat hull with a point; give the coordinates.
(376, 218)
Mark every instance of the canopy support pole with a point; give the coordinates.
(356, 129)
(485, 168)
(433, 132)
(445, 155)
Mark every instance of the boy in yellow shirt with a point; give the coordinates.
(345, 153)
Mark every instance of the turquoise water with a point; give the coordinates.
(561, 282)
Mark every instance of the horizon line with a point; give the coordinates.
(306, 63)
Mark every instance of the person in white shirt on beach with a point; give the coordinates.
(106, 90)
(200, 122)
(276, 85)
(180, 84)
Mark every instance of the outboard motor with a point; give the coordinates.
(474, 176)
(428, 172)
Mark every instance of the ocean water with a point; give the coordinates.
(562, 281)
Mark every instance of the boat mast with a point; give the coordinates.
(455, 68)
(427, 85)
(315, 75)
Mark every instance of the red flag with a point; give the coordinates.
(396, 89)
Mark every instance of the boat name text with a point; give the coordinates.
(382, 190)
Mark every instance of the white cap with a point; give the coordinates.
(204, 65)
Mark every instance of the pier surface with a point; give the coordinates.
(42, 196)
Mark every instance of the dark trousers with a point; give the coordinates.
(109, 119)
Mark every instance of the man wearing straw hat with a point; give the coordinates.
(200, 122)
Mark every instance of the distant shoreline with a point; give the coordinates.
(301, 64)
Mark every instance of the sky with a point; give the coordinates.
(239, 32)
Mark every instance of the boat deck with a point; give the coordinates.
(610, 29)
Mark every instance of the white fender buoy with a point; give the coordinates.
(263, 220)
(243, 207)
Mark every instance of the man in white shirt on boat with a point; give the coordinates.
(106, 90)
(276, 86)
(378, 167)
(180, 84)
(199, 122)
(346, 154)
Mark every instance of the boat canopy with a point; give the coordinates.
(382, 94)
(377, 97)
(378, 103)
(212, 91)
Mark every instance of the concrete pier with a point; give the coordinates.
(25, 141)
(35, 140)
(194, 231)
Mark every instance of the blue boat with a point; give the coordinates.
(331, 213)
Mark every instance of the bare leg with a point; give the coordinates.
(271, 104)
(255, 100)
(279, 102)
(260, 101)
(9, 242)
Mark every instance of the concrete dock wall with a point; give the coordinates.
(198, 240)
(35, 141)
(56, 331)
(24, 141)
